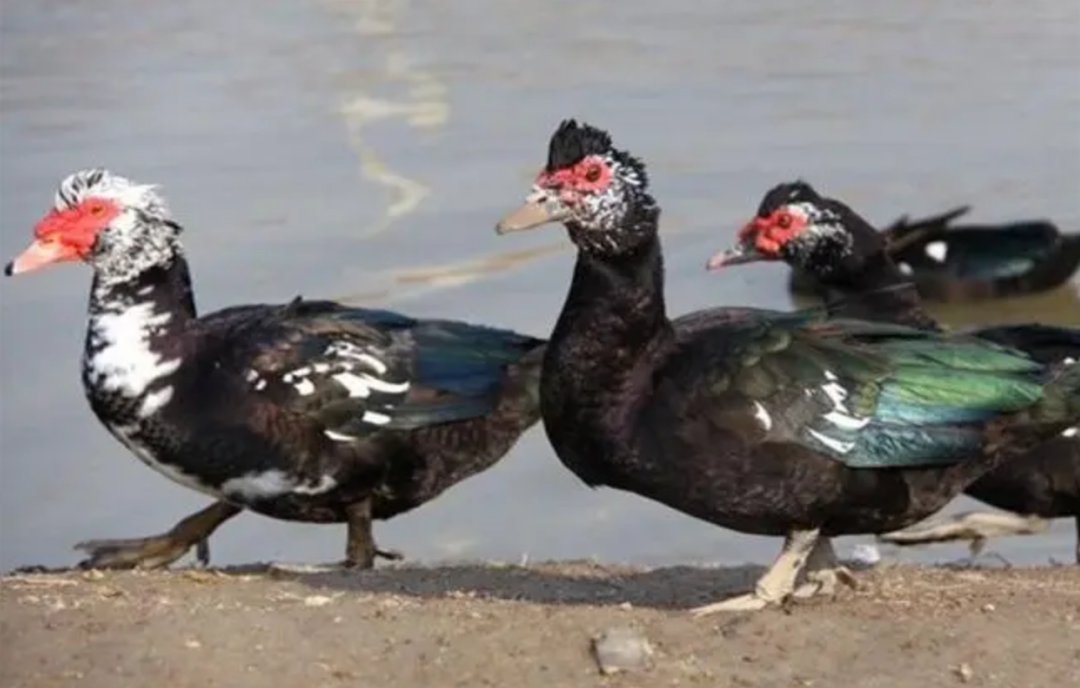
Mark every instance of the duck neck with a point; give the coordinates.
(873, 288)
(134, 335)
(614, 316)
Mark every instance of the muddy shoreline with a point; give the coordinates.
(531, 626)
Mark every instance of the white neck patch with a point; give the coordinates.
(118, 357)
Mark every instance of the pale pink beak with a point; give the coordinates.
(40, 254)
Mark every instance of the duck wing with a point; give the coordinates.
(866, 394)
(357, 371)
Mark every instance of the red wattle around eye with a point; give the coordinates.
(592, 174)
(753, 227)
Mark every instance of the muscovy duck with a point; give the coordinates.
(847, 257)
(771, 423)
(306, 411)
(969, 262)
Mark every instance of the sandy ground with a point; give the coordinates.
(493, 625)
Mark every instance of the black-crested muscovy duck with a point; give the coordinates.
(307, 411)
(785, 424)
(969, 262)
(847, 257)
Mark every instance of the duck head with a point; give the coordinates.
(118, 227)
(600, 193)
(810, 232)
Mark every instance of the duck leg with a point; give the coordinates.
(777, 583)
(824, 571)
(160, 550)
(360, 548)
(976, 527)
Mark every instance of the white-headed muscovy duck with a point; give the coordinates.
(787, 424)
(825, 238)
(307, 411)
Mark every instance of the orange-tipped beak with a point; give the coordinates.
(39, 254)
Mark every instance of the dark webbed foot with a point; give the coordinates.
(159, 551)
(202, 552)
(360, 548)
(389, 554)
(343, 566)
(152, 552)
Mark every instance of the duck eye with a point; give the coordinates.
(783, 220)
(593, 173)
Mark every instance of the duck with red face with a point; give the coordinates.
(848, 258)
(307, 411)
(783, 424)
(943, 261)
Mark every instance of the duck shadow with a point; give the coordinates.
(668, 588)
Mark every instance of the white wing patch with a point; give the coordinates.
(938, 250)
(763, 416)
(273, 483)
(350, 350)
(376, 418)
(305, 387)
(339, 436)
(840, 416)
(359, 372)
(834, 444)
(905, 269)
(846, 422)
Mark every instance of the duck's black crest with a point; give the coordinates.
(572, 141)
(798, 191)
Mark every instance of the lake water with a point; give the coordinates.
(363, 149)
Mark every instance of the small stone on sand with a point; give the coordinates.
(622, 649)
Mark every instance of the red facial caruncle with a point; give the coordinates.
(770, 233)
(65, 235)
(588, 175)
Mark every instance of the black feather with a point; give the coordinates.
(572, 142)
(709, 413)
(798, 191)
(308, 410)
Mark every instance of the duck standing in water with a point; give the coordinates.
(769, 423)
(306, 411)
(823, 237)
